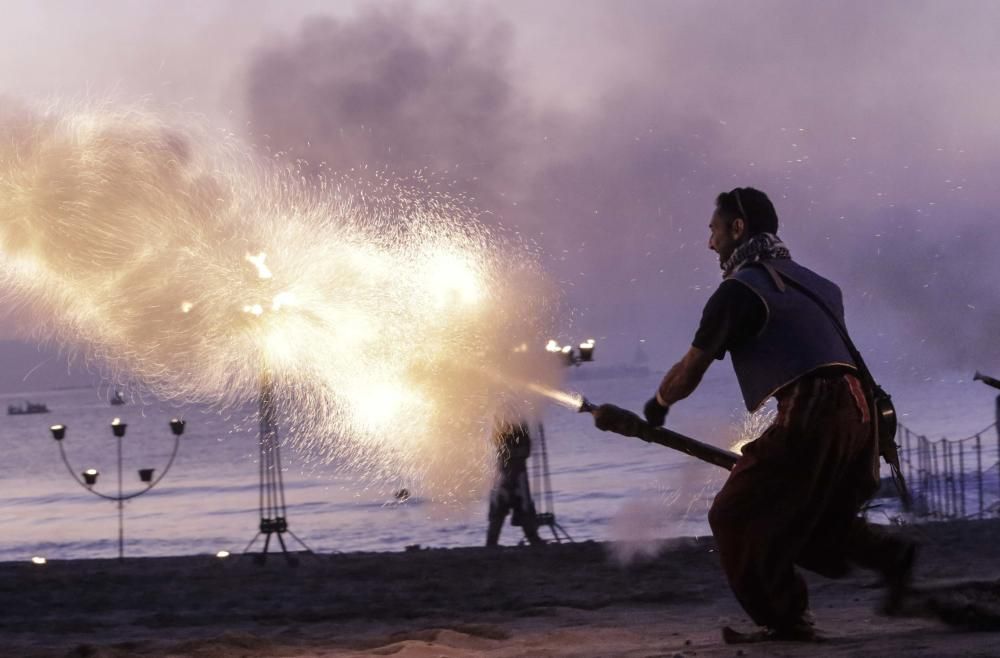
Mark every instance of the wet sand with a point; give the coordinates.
(559, 600)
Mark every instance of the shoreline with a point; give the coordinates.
(558, 600)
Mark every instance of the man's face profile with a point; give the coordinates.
(724, 236)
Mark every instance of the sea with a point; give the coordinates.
(601, 486)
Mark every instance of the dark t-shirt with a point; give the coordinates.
(733, 314)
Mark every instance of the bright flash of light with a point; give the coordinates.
(38, 560)
(552, 346)
(282, 299)
(452, 278)
(385, 317)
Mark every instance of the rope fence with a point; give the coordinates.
(952, 478)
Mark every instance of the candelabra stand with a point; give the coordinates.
(272, 507)
(88, 478)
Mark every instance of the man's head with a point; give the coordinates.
(739, 215)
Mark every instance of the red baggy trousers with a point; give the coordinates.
(793, 499)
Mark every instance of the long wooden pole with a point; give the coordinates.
(610, 418)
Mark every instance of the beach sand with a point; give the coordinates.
(558, 600)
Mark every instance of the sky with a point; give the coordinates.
(601, 133)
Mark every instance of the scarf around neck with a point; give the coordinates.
(762, 246)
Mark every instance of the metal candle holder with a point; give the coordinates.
(570, 355)
(88, 478)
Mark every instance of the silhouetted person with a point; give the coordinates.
(510, 491)
(794, 496)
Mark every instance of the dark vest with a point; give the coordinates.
(798, 336)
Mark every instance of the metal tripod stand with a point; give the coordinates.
(273, 510)
(546, 516)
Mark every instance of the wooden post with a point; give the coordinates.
(961, 474)
(979, 471)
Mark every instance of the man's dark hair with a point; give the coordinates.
(750, 204)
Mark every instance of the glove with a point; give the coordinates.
(655, 412)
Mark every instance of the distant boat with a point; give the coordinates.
(27, 408)
(117, 398)
(640, 358)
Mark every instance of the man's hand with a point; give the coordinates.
(679, 382)
(655, 412)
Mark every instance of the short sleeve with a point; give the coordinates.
(733, 315)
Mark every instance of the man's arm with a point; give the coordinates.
(679, 382)
(733, 313)
(683, 378)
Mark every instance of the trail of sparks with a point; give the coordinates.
(753, 426)
(569, 400)
(176, 258)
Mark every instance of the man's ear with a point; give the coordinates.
(738, 229)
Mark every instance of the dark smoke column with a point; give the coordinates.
(404, 92)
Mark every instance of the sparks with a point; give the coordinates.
(377, 309)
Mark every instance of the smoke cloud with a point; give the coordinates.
(604, 134)
(610, 144)
(637, 531)
(402, 91)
